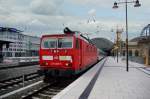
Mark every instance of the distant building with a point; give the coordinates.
(19, 45)
(139, 47)
(134, 51)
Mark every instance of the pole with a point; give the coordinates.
(127, 68)
(117, 55)
(117, 42)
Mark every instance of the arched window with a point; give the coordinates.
(130, 52)
(136, 53)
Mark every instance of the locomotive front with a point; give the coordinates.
(56, 55)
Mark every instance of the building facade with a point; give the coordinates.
(138, 51)
(138, 48)
(20, 45)
(134, 52)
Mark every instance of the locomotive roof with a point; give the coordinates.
(57, 35)
(62, 35)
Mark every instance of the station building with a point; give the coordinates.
(134, 51)
(139, 47)
(13, 43)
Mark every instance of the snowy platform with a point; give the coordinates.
(109, 80)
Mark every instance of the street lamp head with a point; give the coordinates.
(115, 5)
(137, 4)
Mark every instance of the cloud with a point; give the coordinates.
(46, 7)
(47, 16)
(92, 12)
(3, 11)
(94, 3)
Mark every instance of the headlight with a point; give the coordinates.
(69, 58)
(68, 64)
(47, 57)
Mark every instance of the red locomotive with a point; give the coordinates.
(66, 54)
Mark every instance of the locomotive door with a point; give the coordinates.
(78, 46)
(80, 53)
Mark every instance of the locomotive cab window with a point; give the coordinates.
(49, 43)
(65, 43)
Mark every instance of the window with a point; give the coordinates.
(124, 52)
(65, 43)
(136, 53)
(130, 52)
(49, 43)
(57, 43)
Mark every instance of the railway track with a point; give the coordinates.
(49, 90)
(13, 88)
(19, 65)
(18, 82)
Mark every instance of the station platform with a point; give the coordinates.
(110, 80)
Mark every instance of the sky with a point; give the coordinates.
(93, 17)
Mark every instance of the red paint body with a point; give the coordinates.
(81, 56)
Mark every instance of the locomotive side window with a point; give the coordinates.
(49, 43)
(65, 42)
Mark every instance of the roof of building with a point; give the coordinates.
(136, 39)
(3, 29)
(146, 31)
(103, 43)
(141, 38)
(145, 35)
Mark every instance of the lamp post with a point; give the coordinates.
(137, 4)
